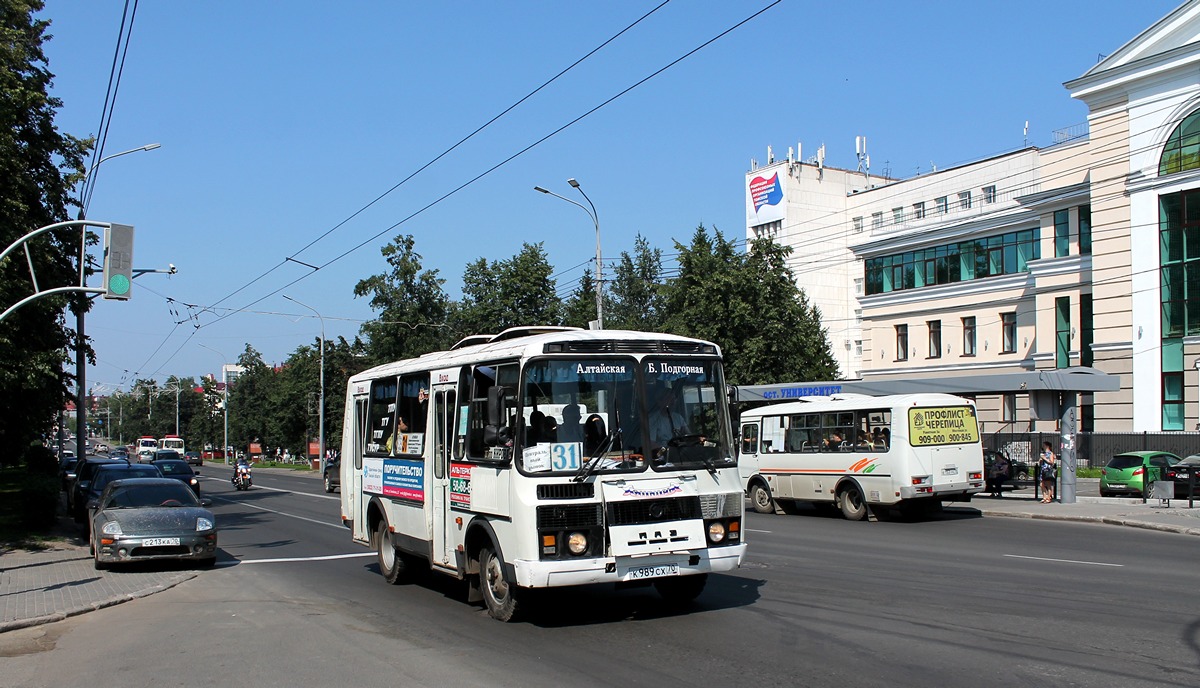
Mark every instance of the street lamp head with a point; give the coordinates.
(538, 188)
(573, 183)
(151, 146)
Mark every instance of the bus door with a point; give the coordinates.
(445, 406)
(354, 503)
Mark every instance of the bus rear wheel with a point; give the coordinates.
(500, 595)
(392, 564)
(760, 499)
(851, 502)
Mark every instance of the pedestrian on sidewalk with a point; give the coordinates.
(998, 474)
(1046, 472)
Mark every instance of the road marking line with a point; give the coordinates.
(752, 530)
(281, 513)
(288, 560)
(276, 489)
(1064, 561)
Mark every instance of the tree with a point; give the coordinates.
(580, 308)
(748, 304)
(636, 296)
(38, 166)
(507, 293)
(413, 308)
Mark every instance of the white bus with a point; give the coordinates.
(861, 453)
(172, 442)
(543, 457)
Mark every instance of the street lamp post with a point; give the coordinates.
(321, 403)
(225, 404)
(80, 339)
(596, 221)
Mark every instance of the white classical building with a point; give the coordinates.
(1083, 253)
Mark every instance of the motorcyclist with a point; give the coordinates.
(242, 466)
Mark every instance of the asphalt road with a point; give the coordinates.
(954, 601)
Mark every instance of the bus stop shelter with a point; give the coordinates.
(1052, 394)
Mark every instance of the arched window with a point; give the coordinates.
(1182, 151)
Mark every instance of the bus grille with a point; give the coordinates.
(567, 491)
(564, 516)
(653, 511)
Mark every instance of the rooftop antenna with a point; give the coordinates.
(821, 161)
(770, 156)
(864, 160)
(934, 166)
(1026, 134)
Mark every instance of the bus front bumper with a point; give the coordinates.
(559, 573)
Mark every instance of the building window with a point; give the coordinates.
(858, 317)
(1062, 233)
(919, 210)
(1008, 332)
(943, 205)
(968, 344)
(1085, 230)
(876, 220)
(901, 342)
(1086, 357)
(989, 194)
(1062, 332)
(858, 347)
(858, 224)
(964, 200)
(1003, 254)
(1008, 410)
(858, 286)
(1182, 151)
(1179, 261)
(935, 338)
(898, 215)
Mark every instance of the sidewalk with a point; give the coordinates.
(38, 587)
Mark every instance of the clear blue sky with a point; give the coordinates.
(279, 120)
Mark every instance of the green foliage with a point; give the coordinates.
(39, 460)
(507, 293)
(580, 308)
(749, 305)
(39, 500)
(38, 166)
(636, 301)
(412, 306)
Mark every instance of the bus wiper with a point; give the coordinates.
(710, 464)
(594, 460)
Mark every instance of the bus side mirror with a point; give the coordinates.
(495, 433)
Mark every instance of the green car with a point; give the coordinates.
(1127, 473)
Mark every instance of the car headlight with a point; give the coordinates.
(111, 528)
(716, 531)
(577, 543)
(203, 524)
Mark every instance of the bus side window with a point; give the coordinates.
(750, 439)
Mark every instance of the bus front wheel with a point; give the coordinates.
(851, 502)
(760, 499)
(392, 564)
(500, 595)
(681, 589)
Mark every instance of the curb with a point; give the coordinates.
(18, 624)
(1106, 520)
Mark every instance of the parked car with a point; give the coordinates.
(1128, 473)
(1183, 473)
(66, 469)
(109, 472)
(333, 473)
(179, 470)
(152, 518)
(1019, 469)
(77, 494)
(193, 457)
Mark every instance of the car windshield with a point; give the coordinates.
(1124, 462)
(157, 494)
(173, 469)
(106, 475)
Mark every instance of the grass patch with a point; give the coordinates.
(1087, 472)
(14, 532)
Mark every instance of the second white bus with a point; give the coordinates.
(862, 454)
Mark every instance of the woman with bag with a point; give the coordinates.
(1046, 472)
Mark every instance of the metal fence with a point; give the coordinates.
(1093, 449)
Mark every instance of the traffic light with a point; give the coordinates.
(118, 261)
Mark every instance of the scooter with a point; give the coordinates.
(241, 478)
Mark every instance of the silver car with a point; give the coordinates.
(140, 519)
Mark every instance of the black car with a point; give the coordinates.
(161, 454)
(333, 473)
(106, 473)
(179, 470)
(77, 494)
(1183, 472)
(66, 470)
(1018, 470)
(194, 458)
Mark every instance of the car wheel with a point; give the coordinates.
(328, 483)
(499, 594)
(851, 502)
(760, 499)
(97, 564)
(1105, 493)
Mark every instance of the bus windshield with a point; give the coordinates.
(599, 415)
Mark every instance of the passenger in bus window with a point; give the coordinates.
(593, 434)
(864, 442)
(549, 429)
(570, 430)
(834, 441)
(393, 443)
(666, 422)
(533, 433)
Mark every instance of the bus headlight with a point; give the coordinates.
(716, 532)
(577, 543)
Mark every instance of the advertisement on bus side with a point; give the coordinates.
(936, 425)
(399, 478)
